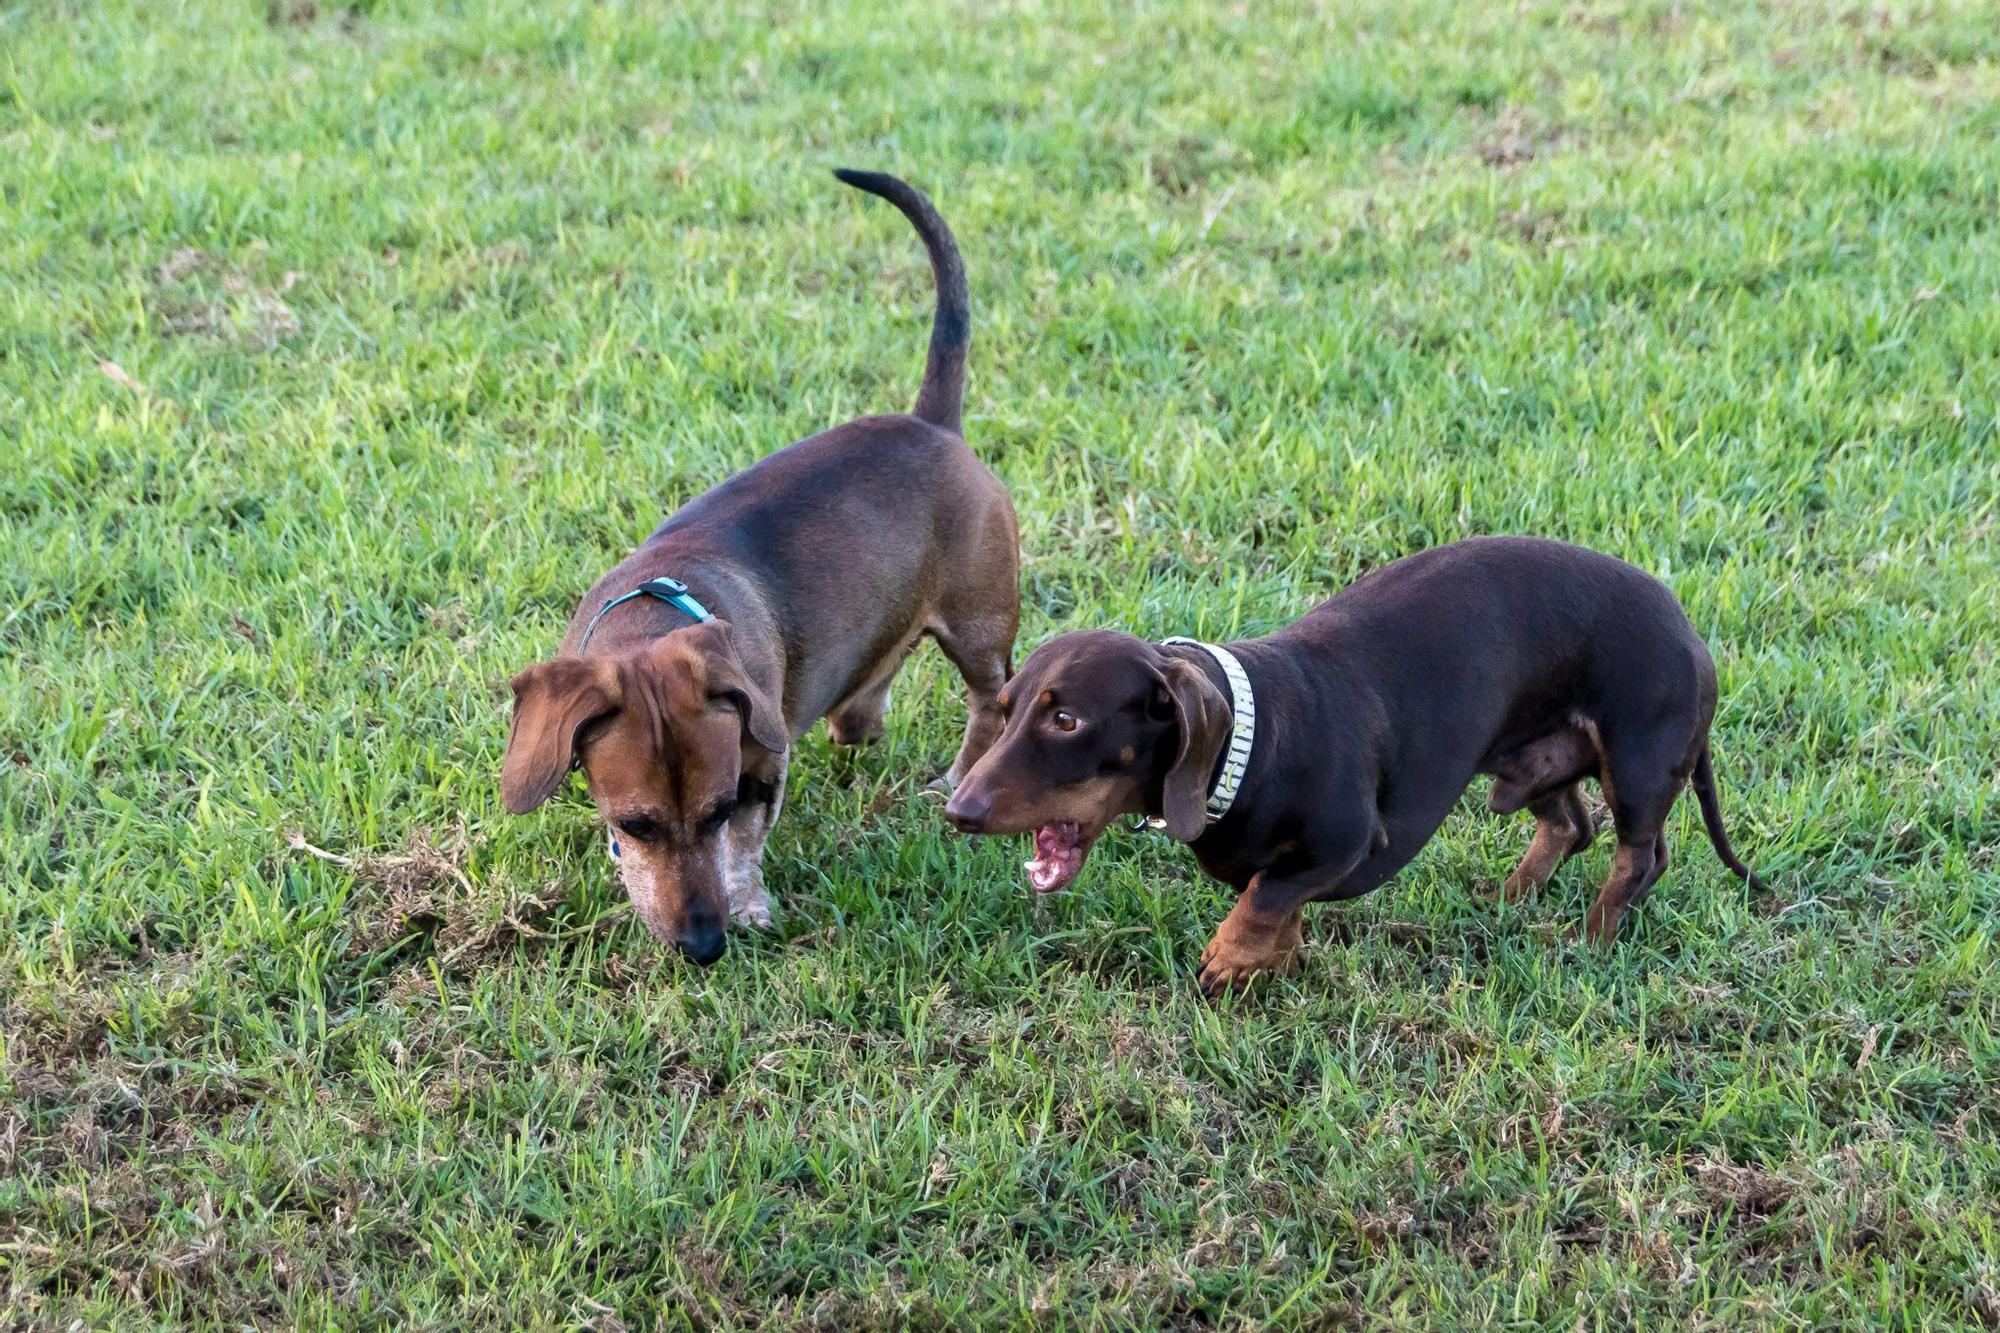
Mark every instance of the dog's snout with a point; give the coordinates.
(968, 810)
(701, 942)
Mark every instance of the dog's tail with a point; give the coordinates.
(1711, 816)
(939, 399)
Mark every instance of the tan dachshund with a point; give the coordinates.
(791, 591)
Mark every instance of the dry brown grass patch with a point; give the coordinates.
(185, 300)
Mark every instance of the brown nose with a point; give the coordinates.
(968, 810)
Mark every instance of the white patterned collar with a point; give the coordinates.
(1242, 730)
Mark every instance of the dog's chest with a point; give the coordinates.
(1227, 863)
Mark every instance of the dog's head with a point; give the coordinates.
(1098, 724)
(671, 738)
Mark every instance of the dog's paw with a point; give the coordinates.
(751, 909)
(1227, 965)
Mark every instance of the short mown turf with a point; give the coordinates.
(342, 348)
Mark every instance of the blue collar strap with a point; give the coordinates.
(671, 591)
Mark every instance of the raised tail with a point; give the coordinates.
(943, 391)
(1711, 816)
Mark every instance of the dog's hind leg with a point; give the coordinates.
(981, 647)
(1563, 828)
(857, 719)
(1635, 868)
(976, 614)
(1641, 778)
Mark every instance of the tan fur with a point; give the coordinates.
(1563, 829)
(1249, 943)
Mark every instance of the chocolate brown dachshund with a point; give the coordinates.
(1312, 764)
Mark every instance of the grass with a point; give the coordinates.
(340, 351)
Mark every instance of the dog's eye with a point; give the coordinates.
(718, 817)
(639, 830)
(1063, 721)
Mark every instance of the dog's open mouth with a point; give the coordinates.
(1059, 852)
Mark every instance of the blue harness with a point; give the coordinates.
(671, 591)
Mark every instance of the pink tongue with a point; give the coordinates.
(1058, 856)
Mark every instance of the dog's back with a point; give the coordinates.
(865, 536)
(1489, 614)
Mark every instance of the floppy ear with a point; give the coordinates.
(722, 677)
(1203, 717)
(553, 701)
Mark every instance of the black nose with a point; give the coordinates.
(701, 944)
(968, 811)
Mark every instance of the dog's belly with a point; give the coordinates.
(1415, 802)
(1411, 814)
(1415, 806)
(863, 672)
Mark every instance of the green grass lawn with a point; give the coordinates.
(340, 351)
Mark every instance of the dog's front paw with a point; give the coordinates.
(751, 908)
(1238, 955)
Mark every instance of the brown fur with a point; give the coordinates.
(824, 564)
